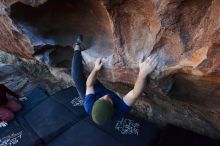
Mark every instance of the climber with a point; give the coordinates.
(99, 102)
(8, 107)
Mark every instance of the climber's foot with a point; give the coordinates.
(79, 39)
(78, 44)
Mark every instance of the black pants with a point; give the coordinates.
(77, 73)
(78, 76)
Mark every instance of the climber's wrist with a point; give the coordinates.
(142, 74)
(95, 70)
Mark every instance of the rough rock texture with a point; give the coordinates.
(183, 90)
(22, 75)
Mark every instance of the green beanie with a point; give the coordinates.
(102, 111)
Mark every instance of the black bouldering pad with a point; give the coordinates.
(14, 134)
(49, 119)
(35, 97)
(200, 140)
(131, 131)
(84, 134)
(69, 97)
(175, 136)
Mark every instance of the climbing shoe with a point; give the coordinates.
(79, 39)
(78, 44)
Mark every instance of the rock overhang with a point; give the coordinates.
(183, 33)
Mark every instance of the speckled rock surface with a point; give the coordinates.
(183, 90)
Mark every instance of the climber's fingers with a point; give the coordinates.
(151, 58)
(154, 61)
(141, 60)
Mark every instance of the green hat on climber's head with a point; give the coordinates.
(102, 111)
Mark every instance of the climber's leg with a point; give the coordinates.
(77, 72)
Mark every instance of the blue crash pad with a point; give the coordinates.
(131, 131)
(84, 134)
(49, 119)
(14, 134)
(35, 97)
(70, 99)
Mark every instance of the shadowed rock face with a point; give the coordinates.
(53, 25)
(183, 90)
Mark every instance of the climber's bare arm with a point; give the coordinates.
(92, 77)
(145, 68)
